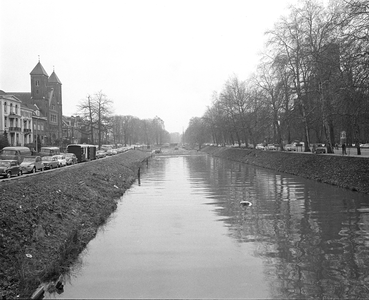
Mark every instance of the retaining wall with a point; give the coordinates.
(343, 171)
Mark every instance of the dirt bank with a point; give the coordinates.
(343, 171)
(47, 219)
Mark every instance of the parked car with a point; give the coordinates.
(109, 152)
(271, 147)
(15, 153)
(8, 168)
(71, 158)
(50, 162)
(49, 151)
(260, 147)
(100, 154)
(318, 149)
(364, 145)
(61, 159)
(290, 147)
(31, 164)
(121, 149)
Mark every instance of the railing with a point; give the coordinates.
(27, 130)
(12, 114)
(15, 129)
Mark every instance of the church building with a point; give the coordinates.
(46, 95)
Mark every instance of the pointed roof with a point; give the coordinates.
(54, 78)
(25, 97)
(10, 97)
(39, 70)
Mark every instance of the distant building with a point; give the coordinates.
(72, 130)
(175, 137)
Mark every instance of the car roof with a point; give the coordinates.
(16, 148)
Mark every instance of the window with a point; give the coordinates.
(37, 82)
(5, 122)
(16, 109)
(53, 118)
(5, 107)
(11, 107)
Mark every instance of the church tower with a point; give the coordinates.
(55, 104)
(46, 93)
(39, 82)
(56, 84)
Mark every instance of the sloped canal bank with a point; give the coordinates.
(47, 219)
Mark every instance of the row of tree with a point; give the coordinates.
(100, 126)
(311, 85)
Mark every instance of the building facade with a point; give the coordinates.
(72, 133)
(11, 119)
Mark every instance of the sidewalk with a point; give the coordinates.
(351, 152)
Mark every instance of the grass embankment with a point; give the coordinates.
(343, 171)
(47, 219)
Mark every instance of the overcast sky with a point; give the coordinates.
(152, 58)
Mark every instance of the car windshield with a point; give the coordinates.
(48, 158)
(29, 159)
(8, 152)
(4, 163)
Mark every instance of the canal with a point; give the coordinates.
(181, 232)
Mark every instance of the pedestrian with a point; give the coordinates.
(344, 149)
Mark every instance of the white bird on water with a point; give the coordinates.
(245, 203)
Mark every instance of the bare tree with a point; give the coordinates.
(96, 111)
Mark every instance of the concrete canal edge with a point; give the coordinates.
(343, 171)
(48, 219)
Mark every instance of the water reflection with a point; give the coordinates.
(313, 238)
(183, 234)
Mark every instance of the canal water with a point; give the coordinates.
(181, 232)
